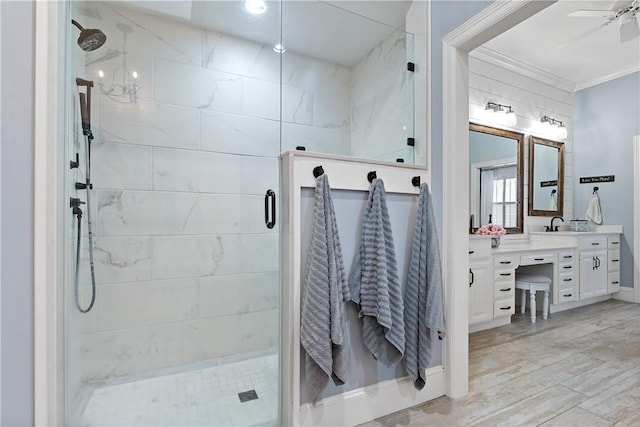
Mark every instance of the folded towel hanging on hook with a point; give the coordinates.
(594, 210)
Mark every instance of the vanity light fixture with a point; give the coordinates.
(255, 7)
(560, 130)
(503, 113)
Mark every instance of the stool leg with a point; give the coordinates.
(532, 305)
(523, 300)
(545, 305)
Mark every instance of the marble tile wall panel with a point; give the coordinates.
(121, 259)
(237, 134)
(148, 123)
(203, 172)
(140, 213)
(231, 54)
(117, 353)
(330, 141)
(121, 166)
(238, 293)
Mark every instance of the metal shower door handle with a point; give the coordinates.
(270, 209)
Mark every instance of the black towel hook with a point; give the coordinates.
(415, 181)
(372, 175)
(595, 190)
(553, 192)
(317, 171)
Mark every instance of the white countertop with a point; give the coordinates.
(531, 246)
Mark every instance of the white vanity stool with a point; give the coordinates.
(533, 283)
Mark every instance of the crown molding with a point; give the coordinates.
(506, 62)
(621, 73)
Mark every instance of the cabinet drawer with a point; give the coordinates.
(566, 257)
(479, 249)
(505, 307)
(613, 282)
(504, 275)
(504, 262)
(566, 268)
(613, 242)
(566, 281)
(503, 291)
(537, 259)
(567, 296)
(613, 260)
(596, 242)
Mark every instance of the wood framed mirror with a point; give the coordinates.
(496, 184)
(546, 177)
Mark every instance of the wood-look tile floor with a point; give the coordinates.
(580, 367)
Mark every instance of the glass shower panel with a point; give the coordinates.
(185, 112)
(347, 89)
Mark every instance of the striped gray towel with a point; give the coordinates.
(423, 302)
(374, 284)
(323, 332)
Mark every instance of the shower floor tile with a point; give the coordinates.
(201, 397)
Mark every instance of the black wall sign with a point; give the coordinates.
(591, 179)
(549, 183)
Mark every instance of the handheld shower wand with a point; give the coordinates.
(85, 117)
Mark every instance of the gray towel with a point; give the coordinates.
(323, 332)
(374, 283)
(423, 305)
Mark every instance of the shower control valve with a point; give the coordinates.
(75, 202)
(83, 186)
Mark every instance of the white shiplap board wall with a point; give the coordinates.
(532, 94)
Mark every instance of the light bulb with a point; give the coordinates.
(562, 132)
(100, 73)
(510, 118)
(255, 7)
(134, 74)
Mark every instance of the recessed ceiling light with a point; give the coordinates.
(279, 48)
(255, 7)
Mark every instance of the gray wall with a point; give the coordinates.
(606, 118)
(445, 17)
(16, 107)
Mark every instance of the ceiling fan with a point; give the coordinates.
(622, 11)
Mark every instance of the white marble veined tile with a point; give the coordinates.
(238, 293)
(259, 252)
(230, 133)
(121, 166)
(122, 259)
(196, 87)
(261, 98)
(257, 174)
(297, 105)
(224, 52)
(196, 171)
(189, 256)
(321, 140)
(127, 213)
(164, 301)
(148, 123)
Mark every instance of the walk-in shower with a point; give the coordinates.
(184, 329)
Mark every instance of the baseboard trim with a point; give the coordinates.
(500, 321)
(556, 308)
(625, 294)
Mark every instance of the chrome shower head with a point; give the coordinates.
(89, 39)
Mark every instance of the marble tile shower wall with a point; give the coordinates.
(186, 269)
(382, 96)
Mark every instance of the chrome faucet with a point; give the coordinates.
(551, 227)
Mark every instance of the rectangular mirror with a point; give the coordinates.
(496, 177)
(546, 172)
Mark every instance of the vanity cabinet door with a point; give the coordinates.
(593, 274)
(480, 293)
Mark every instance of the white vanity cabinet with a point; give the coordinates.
(504, 272)
(567, 283)
(480, 281)
(593, 266)
(613, 264)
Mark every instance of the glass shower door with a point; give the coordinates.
(185, 114)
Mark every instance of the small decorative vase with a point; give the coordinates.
(495, 242)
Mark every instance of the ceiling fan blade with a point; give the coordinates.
(583, 35)
(585, 13)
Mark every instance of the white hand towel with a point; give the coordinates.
(323, 331)
(594, 212)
